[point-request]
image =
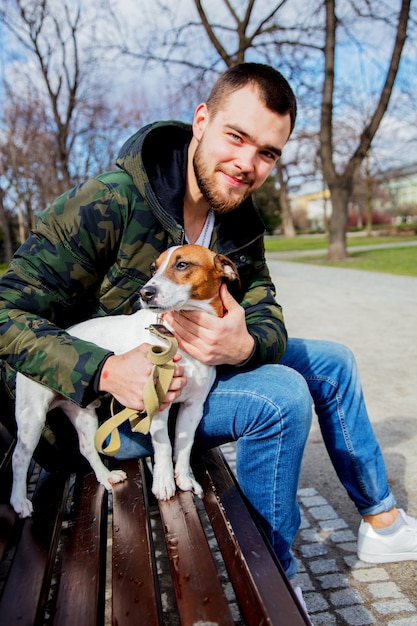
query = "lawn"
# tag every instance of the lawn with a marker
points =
(401, 260)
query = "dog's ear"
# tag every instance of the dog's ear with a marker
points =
(226, 268)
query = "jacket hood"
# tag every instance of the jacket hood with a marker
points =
(156, 159)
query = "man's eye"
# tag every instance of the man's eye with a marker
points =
(270, 155)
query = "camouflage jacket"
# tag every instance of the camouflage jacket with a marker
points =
(90, 254)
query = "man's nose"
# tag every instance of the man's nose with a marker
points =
(245, 159)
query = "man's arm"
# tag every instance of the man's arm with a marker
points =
(264, 319)
(49, 281)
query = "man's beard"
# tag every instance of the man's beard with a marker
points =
(216, 202)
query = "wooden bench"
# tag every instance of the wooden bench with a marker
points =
(89, 558)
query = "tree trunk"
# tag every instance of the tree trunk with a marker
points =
(340, 194)
(287, 221)
(341, 185)
(7, 235)
(369, 206)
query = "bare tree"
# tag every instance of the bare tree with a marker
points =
(51, 36)
(341, 183)
(57, 126)
(28, 155)
(64, 68)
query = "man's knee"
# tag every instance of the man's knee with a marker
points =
(298, 394)
(341, 359)
(289, 393)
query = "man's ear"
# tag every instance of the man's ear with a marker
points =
(200, 120)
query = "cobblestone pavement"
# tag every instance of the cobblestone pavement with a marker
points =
(337, 587)
(376, 315)
(340, 590)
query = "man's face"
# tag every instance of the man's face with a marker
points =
(237, 148)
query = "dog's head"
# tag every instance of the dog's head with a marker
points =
(188, 277)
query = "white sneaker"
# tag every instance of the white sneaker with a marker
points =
(299, 595)
(401, 545)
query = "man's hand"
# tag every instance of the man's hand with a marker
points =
(125, 375)
(211, 339)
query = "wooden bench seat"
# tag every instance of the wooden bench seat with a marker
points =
(87, 558)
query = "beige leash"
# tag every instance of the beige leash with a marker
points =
(154, 393)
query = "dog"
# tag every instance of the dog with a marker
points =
(183, 278)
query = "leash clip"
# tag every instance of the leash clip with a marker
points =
(160, 330)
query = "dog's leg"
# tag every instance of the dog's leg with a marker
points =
(86, 423)
(30, 419)
(163, 484)
(189, 416)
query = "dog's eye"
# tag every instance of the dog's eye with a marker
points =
(153, 269)
(182, 265)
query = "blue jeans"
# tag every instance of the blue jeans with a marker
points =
(333, 379)
(268, 413)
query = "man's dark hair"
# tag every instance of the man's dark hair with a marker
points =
(273, 88)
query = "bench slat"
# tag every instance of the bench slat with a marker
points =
(135, 585)
(80, 598)
(264, 593)
(199, 593)
(24, 597)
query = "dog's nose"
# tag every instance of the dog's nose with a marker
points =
(147, 293)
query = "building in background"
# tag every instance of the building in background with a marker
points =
(389, 197)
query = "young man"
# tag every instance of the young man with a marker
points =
(91, 252)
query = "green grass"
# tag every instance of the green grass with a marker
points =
(317, 242)
(401, 261)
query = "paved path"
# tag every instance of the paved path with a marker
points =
(376, 315)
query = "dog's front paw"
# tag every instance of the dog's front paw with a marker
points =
(163, 486)
(23, 507)
(185, 482)
(108, 479)
(117, 476)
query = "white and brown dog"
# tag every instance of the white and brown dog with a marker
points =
(186, 278)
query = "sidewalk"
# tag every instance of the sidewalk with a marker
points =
(376, 316)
